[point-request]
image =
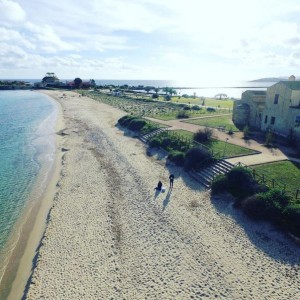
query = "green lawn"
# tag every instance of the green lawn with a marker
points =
(284, 172)
(207, 102)
(220, 147)
(216, 122)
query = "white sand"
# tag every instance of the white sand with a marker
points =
(110, 238)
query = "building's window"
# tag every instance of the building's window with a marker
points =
(266, 119)
(297, 121)
(276, 98)
(272, 120)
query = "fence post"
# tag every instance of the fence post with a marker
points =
(273, 183)
(253, 173)
(297, 192)
(263, 178)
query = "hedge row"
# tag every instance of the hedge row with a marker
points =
(180, 151)
(257, 201)
(137, 124)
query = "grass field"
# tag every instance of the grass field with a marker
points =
(216, 122)
(211, 102)
(283, 172)
(220, 147)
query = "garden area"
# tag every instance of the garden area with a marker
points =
(179, 142)
(147, 107)
(219, 148)
(224, 121)
(259, 201)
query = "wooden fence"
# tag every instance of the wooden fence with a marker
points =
(271, 182)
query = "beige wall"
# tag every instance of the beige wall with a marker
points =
(284, 115)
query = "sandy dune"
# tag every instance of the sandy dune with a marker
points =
(110, 236)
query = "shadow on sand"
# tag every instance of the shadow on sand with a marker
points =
(167, 199)
(266, 237)
(178, 172)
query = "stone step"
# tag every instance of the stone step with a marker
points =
(145, 138)
(205, 176)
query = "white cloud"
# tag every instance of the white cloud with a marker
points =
(15, 38)
(11, 11)
(151, 37)
(46, 37)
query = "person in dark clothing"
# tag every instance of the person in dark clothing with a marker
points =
(171, 177)
(159, 186)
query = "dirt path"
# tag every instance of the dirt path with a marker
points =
(266, 154)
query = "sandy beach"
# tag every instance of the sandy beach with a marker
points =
(111, 236)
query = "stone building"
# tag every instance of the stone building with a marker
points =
(249, 110)
(277, 109)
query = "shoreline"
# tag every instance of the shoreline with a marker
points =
(32, 223)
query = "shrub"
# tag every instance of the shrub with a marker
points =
(155, 96)
(292, 219)
(136, 124)
(182, 114)
(196, 158)
(187, 108)
(203, 135)
(166, 142)
(177, 157)
(219, 184)
(155, 142)
(246, 132)
(230, 131)
(149, 127)
(269, 138)
(125, 120)
(241, 183)
(196, 107)
(255, 207)
(272, 203)
(211, 109)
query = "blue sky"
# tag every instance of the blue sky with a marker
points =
(194, 41)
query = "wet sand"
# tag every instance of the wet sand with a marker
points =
(111, 236)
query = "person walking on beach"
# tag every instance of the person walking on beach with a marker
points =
(171, 177)
(159, 186)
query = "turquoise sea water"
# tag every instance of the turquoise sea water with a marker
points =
(26, 145)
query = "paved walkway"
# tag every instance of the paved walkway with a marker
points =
(266, 155)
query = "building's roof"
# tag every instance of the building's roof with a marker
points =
(293, 85)
(257, 93)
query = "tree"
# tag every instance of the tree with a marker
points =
(220, 96)
(148, 89)
(78, 82)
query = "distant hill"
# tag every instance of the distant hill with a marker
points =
(270, 79)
